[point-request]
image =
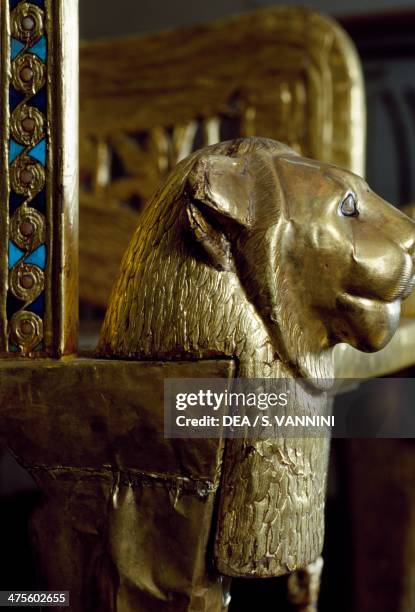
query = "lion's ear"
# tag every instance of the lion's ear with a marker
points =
(214, 242)
(218, 189)
(223, 184)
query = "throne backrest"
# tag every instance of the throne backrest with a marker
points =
(283, 73)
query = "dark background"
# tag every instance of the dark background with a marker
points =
(103, 18)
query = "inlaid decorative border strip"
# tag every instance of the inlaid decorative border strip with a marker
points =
(38, 230)
(4, 171)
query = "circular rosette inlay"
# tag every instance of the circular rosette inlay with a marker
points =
(27, 228)
(26, 330)
(26, 282)
(27, 176)
(28, 73)
(27, 22)
(27, 125)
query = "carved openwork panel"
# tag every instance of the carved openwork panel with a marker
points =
(146, 103)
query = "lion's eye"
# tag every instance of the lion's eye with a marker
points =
(348, 207)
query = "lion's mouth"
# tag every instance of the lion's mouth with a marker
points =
(370, 323)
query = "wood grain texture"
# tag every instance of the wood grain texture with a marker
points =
(283, 73)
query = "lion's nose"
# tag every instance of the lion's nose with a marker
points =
(407, 237)
(410, 242)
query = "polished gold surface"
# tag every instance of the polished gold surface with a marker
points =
(63, 94)
(283, 73)
(249, 250)
(126, 513)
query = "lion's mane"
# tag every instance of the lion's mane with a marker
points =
(170, 303)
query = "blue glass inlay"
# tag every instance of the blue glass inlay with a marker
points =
(15, 254)
(39, 152)
(40, 3)
(15, 98)
(12, 348)
(14, 150)
(39, 100)
(13, 305)
(15, 201)
(40, 202)
(39, 48)
(38, 257)
(38, 306)
(15, 47)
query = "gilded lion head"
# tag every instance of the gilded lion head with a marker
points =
(249, 250)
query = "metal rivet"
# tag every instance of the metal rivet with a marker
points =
(26, 74)
(28, 124)
(27, 228)
(28, 23)
(26, 176)
(26, 328)
(27, 281)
